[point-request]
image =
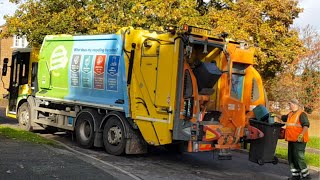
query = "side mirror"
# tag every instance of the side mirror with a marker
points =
(5, 66)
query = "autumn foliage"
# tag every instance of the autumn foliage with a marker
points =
(301, 78)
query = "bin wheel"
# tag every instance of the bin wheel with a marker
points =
(260, 162)
(275, 160)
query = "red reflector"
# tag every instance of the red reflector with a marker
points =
(185, 27)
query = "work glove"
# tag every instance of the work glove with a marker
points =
(300, 138)
(273, 115)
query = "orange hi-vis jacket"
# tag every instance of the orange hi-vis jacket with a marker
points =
(294, 128)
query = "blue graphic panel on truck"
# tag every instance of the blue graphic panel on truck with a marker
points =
(97, 71)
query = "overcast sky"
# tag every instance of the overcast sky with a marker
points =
(6, 8)
(310, 15)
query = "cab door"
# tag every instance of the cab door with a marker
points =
(18, 76)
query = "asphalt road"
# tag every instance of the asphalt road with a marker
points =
(24, 161)
(157, 164)
(160, 164)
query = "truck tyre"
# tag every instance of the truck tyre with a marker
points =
(85, 130)
(114, 136)
(24, 117)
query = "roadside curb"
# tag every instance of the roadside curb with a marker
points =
(283, 161)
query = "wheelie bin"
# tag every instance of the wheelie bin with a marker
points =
(262, 150)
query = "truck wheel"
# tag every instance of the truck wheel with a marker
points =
(24, 117)
(85, 130)
(114, 136)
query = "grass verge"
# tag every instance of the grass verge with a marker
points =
(314, 142)
(311, 158)
(24, 136)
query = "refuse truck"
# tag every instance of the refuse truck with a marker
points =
(185, 88)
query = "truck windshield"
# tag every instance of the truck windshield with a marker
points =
(237, 79)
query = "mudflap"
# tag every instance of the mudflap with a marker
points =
(136, 144)
(98, 139)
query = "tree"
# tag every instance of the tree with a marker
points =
(35, 19)
(267, 22)
(310, 68)
(301, 79)
(264, 22)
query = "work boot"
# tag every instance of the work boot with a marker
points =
(307, 177)
(294, 178)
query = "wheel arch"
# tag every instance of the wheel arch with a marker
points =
(94, 114)
(32, 103)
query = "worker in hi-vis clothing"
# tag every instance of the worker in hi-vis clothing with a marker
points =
(296, 134)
